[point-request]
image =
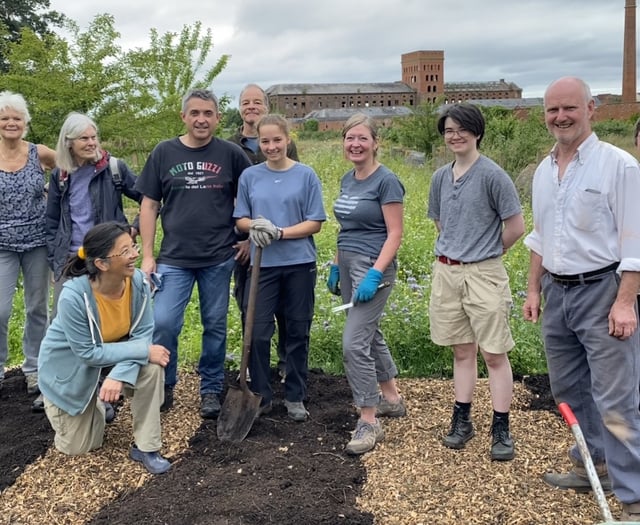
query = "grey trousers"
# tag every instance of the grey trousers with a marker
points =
(85, 432)
(366, 356)
(35, 279)
(596, 375)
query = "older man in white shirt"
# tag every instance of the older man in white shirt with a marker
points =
(585, 259)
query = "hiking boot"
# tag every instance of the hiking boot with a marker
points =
(502, 448)
(296, 410)
(630, 512)
(387, 409)
(152, 461)
(209, 406)
(32, 384)
(577, 478)
(461, 430)
(38, 404)
(167, 404)
(365, 437)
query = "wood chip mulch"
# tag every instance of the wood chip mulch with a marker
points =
(411, 479)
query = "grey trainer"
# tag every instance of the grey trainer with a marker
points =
(365, 437)
(387, 409)
(461, 430)
(296, 410)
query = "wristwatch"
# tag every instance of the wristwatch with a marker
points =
(280, 232)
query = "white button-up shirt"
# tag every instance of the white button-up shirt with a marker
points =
(590, 218)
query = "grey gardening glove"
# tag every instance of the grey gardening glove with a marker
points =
(262, 231)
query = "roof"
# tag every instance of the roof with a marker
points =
(364, 88)
(509, 103)
(345, 113)
(491, 85)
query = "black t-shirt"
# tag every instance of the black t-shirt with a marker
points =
(197, 188)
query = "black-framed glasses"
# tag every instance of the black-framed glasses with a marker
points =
(127, 252)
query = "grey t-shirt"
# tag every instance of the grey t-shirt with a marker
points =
(359, 210)
(471, 210)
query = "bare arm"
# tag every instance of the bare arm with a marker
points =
(149, 209)
(47, 157)
(392, 213)
(531, 307)
(622, 316)
(512, 231)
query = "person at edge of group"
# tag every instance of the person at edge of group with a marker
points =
(369, 210)
(22, 233)
(82, 193)
(104, 320)
(194, 177)
(585, 261)
(254, 104)
(280, 205)
(477, 213)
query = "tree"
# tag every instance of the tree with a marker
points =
(419, 131)
(156, 79)
(16, 15)
(57, 77)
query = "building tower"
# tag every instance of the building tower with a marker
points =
(629, 52)
(424, 72)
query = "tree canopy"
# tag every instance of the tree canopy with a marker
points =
(134, 95)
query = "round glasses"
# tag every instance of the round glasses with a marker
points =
(127, 252)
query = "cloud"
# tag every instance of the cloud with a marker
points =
(283, 41)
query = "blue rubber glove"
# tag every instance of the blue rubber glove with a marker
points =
(333, 282)
(368, 286)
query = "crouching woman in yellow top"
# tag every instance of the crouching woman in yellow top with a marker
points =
(104, 321)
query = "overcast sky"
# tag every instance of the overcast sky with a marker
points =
(282, 41)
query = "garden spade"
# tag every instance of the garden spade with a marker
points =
(241, 405)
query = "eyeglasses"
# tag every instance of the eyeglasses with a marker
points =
(127, 252)
(462, 133)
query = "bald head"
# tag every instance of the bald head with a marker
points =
(573, 84)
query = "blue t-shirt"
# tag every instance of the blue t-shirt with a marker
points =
(82, 214)
(285, 198)
(359, 210)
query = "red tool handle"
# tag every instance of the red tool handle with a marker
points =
(567, 414)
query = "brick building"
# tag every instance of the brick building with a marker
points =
(422, 80)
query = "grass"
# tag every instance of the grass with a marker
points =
(406, 320)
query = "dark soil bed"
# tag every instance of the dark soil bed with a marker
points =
(294, 473)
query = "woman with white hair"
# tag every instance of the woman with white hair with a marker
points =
(22, 232)
(84, 191)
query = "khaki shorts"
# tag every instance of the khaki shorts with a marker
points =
(471, 303)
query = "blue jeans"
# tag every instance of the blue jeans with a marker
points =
(35, 278)
(170, 302)
(596, 375)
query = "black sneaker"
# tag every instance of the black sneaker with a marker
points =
(461, 430)
(502, 448)
(167, 404)
(209, 406)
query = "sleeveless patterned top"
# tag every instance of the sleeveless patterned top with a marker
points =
(23, 205)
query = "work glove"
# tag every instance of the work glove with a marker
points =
(333, 282)
(260, 238)
(368, 286)
(262, 231)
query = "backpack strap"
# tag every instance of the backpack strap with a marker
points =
(115, 173)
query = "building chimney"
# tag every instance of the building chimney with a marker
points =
(629, 59)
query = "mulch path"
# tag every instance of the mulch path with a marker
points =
(291, 473)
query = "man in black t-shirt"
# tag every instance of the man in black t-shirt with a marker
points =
(191, 181)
